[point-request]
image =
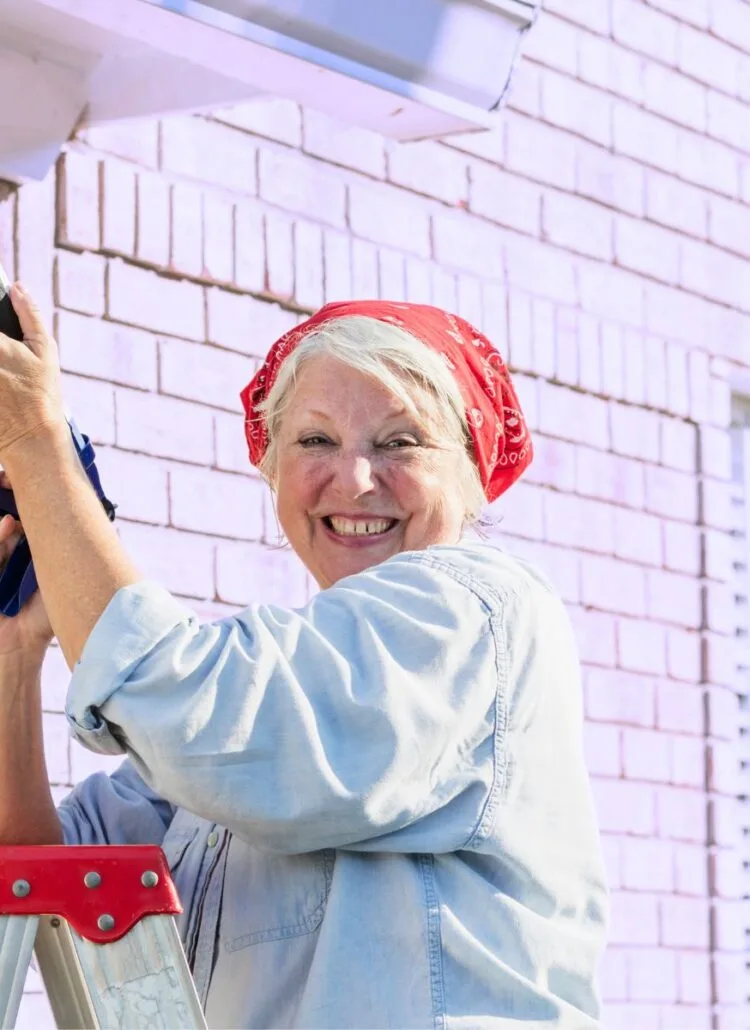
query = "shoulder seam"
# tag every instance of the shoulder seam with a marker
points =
(493, 600)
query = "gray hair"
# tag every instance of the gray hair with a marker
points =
(398, 360)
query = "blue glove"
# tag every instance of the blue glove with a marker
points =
(18, 579)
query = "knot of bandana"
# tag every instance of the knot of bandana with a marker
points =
(502, 443)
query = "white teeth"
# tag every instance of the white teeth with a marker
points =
(359, 527)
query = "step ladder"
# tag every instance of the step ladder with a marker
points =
(101, 922)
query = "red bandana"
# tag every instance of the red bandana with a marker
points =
(502, 444)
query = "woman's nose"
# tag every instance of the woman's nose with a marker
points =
(356, 475)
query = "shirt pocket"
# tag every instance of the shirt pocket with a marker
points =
(272, 897)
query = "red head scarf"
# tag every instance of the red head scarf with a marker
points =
(502, 444)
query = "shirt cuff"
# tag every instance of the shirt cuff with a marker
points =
(136, 619)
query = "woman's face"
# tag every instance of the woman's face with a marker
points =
(358, 477)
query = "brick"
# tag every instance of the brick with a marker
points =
(722, 707)
(578, 522)
(719, 660)
(694, 11)
(715, 451)
(344, 144)
(468, 244)
(612, 293)
(231, 446)
(244, 324)
(613, 975)
(688, 762)
(620, 697)
(691, 869)
(218, 238)
(35, 242)
(610, 478)
(683, 655)
(208, 151)
(186, 244)
(608, 66)
(727, 878)
(429, 168)
(725, 825)
(550, 273)
(671, 494)
(577, 108)
(614, 586)
(727, 121)
(613, 360)
(635, 919)
(522, 512)
(624, 807)
(164, 426)
(717, 552)
(708, 59)
(638, 537)
(308, 265)
(673, 95)
(681, 814)
(595, 636)
(278, 577)
(383, 214)
(391, 275)
(591, 14)
(554, 43)
(647, 249)
(78, 201)
(337, 266)
(589, 355)
(720, 397)
(182, 562)
(694, 983)
(279, 255)
(506, 199)
(716, 504)
(573, 416)
(719, 608)
(641, 647)
(656, 380)
(136, 140)
(494, 313)
(137, 296)
(645, 30)
(674, 598)
(520, 337)
(204, 374)
(265, 116)
(544, 342)
(645, 137)
(578, 225)
(296, 183)
(79, 281)
(365, 271)
(675, 204)
(729, 225)
(138, 485)
(249, 247)
(647, 865)
(236, 508)
(541, 152)
(708, 164)
(94, 406)
(611, 852)
(677, 379)
(724, 769)
(679, 444)
(601, 745)
(469, 299)
(105, 350)
(635, 432)
(418, 285)
(728, 982)
(524, 95)
(634, 387)
(559, 564)
(153, 219)
(731, 21)
(646, 755)
(682, 547)
(729, 925)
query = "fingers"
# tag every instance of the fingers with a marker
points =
(10, 534)
(32, 324)
(4, 480)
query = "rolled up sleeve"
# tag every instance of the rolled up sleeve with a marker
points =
(353, 722)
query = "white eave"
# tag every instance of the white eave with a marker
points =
(426, 68)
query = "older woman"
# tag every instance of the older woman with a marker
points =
(375, 808)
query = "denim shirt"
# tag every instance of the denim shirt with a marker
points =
(375, 808)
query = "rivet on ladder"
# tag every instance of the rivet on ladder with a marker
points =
(21, 888)
(105, 923)
(149, 878)
(92, 879)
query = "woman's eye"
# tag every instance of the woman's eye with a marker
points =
(314, 441)
(400, 442)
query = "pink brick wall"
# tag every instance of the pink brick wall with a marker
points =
(601, 237)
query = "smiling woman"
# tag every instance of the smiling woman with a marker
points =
(375, 808)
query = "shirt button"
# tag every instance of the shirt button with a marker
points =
(212, 840)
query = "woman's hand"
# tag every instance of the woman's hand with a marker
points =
(29, 633)
(30, 390)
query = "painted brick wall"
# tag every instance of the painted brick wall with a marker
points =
(601, 237)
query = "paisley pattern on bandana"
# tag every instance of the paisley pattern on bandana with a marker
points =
(502, 443)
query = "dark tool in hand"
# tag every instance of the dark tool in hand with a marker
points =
(18, 579)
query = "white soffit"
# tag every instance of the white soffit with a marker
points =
(410, 69)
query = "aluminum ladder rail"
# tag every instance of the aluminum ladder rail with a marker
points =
(101, 921)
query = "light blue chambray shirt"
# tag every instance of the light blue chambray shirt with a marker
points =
(377, 811)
